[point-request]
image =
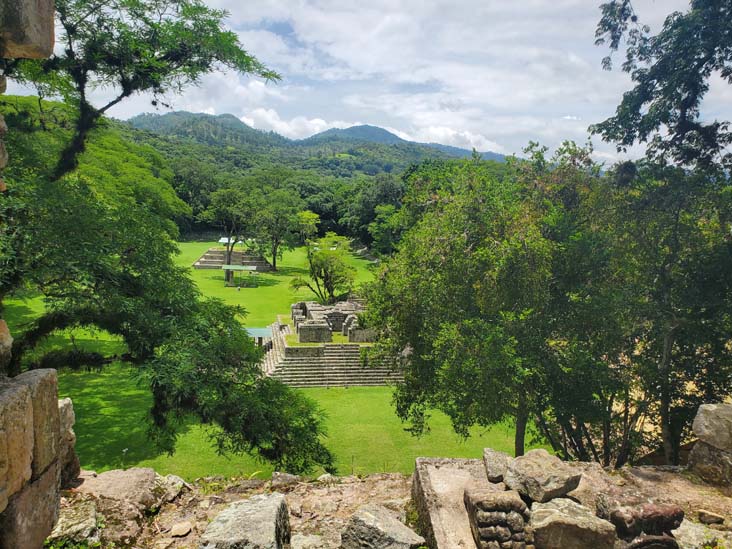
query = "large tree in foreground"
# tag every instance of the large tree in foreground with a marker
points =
(672, 73)
(679, 233)
(130, 47)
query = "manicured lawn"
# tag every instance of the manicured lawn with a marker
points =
(272, 295)
(363, 431)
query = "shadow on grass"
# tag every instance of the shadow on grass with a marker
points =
(111, 422)
(19, 315)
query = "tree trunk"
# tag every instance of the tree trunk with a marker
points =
(69, 159)
(275, 247)
(665, 404)
(522, 418)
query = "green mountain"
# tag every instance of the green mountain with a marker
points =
(339, 152)
(372, 134)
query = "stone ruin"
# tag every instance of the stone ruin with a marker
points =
(316, 323)
(37, 457)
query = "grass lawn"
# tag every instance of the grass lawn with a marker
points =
(363, 431)
(273, 294)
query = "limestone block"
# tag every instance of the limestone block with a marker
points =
(569, 525)
(77, 522)
(31, 513)
(6, 340)
(68, 460)
(376, 527)
(438, 490)
(361, 335)
(27, 28)
(711, 463)
(496, 464)
(43, 386)
(137, 485)
(314, 332)
(16, 439)
(260, 522)
(541, 476)
(713, 425)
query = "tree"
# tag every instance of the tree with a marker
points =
(156, 46)
(278, 221)
(455, 306)
(330, 272)
(671, 72)
(681, 218)
(233, 209)
(97, 246)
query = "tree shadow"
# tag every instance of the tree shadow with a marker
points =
(111, 417)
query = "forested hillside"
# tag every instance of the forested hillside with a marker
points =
(350, 178)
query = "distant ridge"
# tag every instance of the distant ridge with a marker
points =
(228, 129)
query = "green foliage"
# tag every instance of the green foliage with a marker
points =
(671, 72)
(157, 46)
(329, 269)
(97, 245)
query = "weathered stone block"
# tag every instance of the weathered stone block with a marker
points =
(43, 386)
(27, 28)
(569, 525)
(438, 489)
(713, 425)
(261, 522)
(6, 340)
(496, 464)
(711, 464)
(16, 434)
(76, 523)
(376, 527)
(31, 513)
(137, 485)
(361, 335)
(541, 476)
(314, 332)
(68, 460)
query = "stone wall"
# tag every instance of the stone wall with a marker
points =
(36, 450)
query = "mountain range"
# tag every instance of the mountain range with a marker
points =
(227, 129)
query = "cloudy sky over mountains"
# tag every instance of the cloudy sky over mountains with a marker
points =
(489, 74)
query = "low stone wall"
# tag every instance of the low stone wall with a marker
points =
(312, 331)
(361, 335)
(304, 352)
(36, 450)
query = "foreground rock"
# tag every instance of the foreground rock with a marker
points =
(563, 523)
(649, 519)
(261, 522)
(438, 489)
(541, 476)
(711, 457)
(68, 460)
(77, 523)
(496, 464)
(497, 519)
(375, 527)
(691, 535)
(136, 485)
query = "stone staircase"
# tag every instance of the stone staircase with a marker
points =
(215, 258)
(333, 365)
(276, 353)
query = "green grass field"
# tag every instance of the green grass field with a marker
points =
(363, 430)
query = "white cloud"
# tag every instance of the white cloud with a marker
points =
(491, 75)
(298, 127)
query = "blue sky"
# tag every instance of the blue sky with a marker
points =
(490, 74)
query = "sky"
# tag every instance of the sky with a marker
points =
(486, 74)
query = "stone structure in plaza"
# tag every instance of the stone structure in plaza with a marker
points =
(316, 323)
